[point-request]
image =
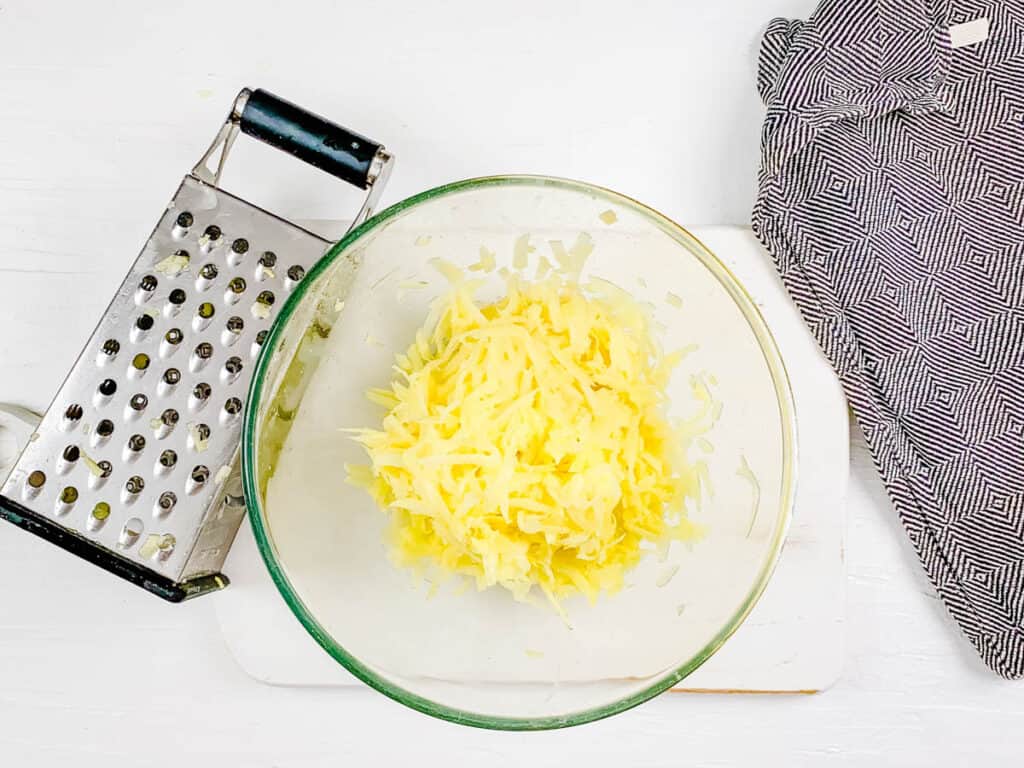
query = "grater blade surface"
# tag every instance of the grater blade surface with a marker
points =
(138, 453)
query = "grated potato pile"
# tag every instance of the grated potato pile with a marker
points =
(526, 442)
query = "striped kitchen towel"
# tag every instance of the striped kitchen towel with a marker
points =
(892, 201)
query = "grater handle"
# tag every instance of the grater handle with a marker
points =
(309, 137)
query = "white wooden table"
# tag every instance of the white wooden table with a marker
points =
(106, 105)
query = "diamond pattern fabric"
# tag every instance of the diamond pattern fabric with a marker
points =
(892, 201)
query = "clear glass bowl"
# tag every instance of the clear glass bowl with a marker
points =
(481, 658)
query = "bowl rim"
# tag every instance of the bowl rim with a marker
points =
(260, 526)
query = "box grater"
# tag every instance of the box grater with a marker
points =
(135, 465)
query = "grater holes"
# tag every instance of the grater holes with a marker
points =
(164, 504)
(102, 432)
(182, 224)
(210, 238)
(68, 458)
(175, 299)
(164, 424)
(167, 461)
(171, 341)
(204, 313)
(34, 483)
(143, 324)
(265, 266)
(172, 266)
(147, 285)
(261, 307)
(235, 289)
(200, 394)
(200, 356)
(166, 548)
(66, 499)
(158, 547)
(257, 343)
(232, 367)
(108, 351)
(169, 381)
(232, 330)
(99, 472)
(198, 437)
(207, 274)
(98, 516)
(294, 275)
(232, 407)
(239, 248)
(72, 415)
(136, 405)
(134, 447)
(180, 263)
(130, 533)
(132, 488)
(197, 479)
(139, 366)
(104, 392)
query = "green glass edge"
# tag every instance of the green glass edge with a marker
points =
(780, 379)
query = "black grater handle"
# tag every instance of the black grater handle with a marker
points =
(309, 137)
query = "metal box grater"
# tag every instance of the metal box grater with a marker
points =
(135, 465)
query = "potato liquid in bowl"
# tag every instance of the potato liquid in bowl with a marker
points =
(483, 657)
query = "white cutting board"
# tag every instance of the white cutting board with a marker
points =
(791, 642)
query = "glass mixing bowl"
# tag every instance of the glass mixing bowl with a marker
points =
(481, 658)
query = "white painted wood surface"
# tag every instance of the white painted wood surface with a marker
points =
(793, 641)
(104, 107)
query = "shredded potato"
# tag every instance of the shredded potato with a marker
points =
(526, 441)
